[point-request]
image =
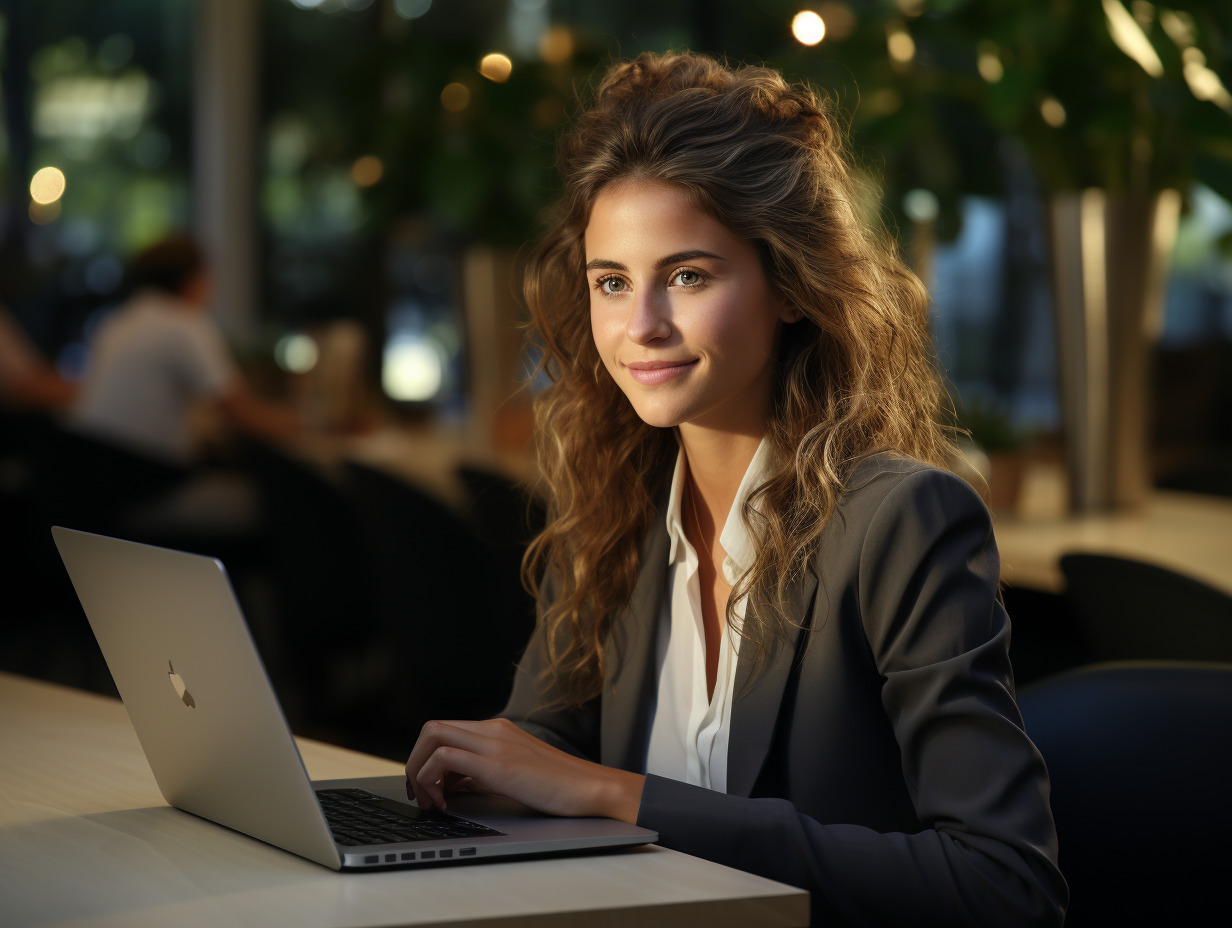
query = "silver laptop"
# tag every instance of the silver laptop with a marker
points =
(184, 662)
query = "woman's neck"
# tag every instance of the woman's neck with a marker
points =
(717, 464)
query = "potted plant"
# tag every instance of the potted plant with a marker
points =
(993, 449)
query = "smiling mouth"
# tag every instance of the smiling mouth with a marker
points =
(653, 372)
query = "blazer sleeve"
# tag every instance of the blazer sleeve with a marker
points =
(531, 702)
(927, 593)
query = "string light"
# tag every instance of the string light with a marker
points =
(455, 97)
(556, 45)
(989, 65)
(899, 43)
(47, 185)
(496, 67)
(808, 27)
(367, 171)
(1053, 112)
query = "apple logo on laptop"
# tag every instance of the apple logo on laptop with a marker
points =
(180, 689)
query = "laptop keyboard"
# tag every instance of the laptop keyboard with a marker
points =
(358, 817)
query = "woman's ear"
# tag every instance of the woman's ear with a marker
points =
(789, 312)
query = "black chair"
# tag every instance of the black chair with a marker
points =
(84, 482)
(500, 510)
(1130, 610)
(321, 602)
(1139, 755)
(448, 634)
(90, 483)
(43, 632)
(1046, 639)
(22, 517)
(505, 516)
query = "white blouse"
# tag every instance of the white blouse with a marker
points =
(688, 731)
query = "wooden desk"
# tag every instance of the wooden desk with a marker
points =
(87, 840)
(1187, 532)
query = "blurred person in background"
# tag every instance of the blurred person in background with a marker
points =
(159, 355)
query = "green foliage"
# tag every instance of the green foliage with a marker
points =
(939, 120)
(936, 121)
(1124, 130)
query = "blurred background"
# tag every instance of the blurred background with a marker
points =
(363, 177)
(259, 300)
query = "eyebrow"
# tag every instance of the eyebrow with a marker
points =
(603, 264)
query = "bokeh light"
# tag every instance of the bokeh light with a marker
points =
(808, 27)
(455, 97)
(412, 9)
(1179, 26)
(921, 205)
(1127, 33)
(1205, 84)
(496, 67)
(1053, 112)
(989, 65)
(556, 45)
(296, 353)
(47, 185)
(367, 171)
(899, 43)
(412, 369)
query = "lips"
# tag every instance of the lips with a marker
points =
(655, 372)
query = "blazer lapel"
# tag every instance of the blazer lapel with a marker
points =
(755, 708)
(629, 688)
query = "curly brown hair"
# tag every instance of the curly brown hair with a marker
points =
(853, 378)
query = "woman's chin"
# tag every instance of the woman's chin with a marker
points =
(658, 418)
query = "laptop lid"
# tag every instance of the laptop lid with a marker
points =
(198, 696)
(185, 665)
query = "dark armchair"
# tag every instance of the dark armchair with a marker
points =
(1139, 755)
(1130, 610)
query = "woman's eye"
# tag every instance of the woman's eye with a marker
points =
(610, 285)
(688, 278)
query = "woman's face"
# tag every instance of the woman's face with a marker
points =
(680, 310)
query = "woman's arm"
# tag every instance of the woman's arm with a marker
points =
(544, 758)
(497, 757)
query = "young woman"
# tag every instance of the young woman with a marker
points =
(769, 623)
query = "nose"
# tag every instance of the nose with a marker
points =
(648, 318)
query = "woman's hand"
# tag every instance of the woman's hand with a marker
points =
(496, 757)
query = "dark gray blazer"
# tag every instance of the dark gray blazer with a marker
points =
(879, 760)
